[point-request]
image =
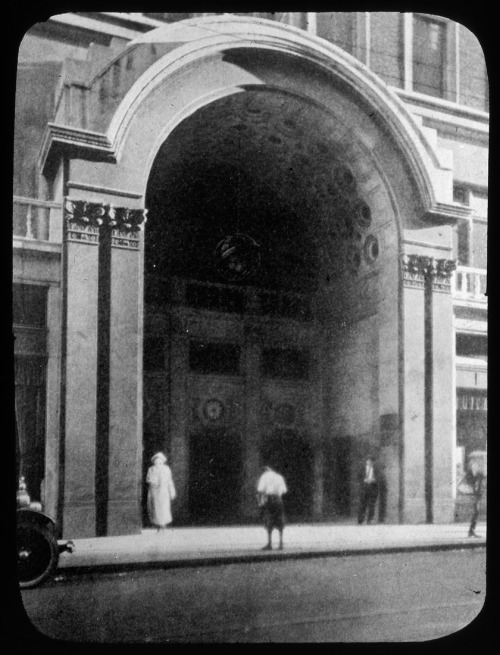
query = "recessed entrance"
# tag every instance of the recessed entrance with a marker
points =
(276, 169)
(215, 471)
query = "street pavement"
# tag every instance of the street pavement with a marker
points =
(389, 597)
(197, 546)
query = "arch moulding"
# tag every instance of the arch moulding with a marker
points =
(195, 45)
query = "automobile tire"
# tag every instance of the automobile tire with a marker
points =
(37, 554)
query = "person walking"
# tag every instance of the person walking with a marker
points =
(369, 479)
(475, 479)
(161, 492)
(270, 490)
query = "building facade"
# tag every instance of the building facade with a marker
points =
(248, 239)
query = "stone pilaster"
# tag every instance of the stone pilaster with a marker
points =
(102, 372)
(79, 369)
(412, 446)
(443, 390)
(124, 513)
(426, 448)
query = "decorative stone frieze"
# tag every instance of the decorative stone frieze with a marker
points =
(84, 220)
(420, 269)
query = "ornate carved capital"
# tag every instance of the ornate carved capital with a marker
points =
(84, 220)
(420, 269)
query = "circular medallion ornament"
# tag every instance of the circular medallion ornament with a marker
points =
(362, 215)
(213, 409)
(237, 257)
(345, 179)
(371, 249)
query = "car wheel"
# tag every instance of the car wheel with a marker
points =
(37, 554)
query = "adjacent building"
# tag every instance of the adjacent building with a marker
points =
(246, 239)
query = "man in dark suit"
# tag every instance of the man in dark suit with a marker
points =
(369, 479)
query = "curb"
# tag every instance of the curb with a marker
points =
(220, 560)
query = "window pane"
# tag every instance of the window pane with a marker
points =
(428, 56)
(29, 305)
(463, 247)
(218, 358)
(472, 345)
(386, 46)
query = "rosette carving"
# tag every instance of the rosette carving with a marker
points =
(85, 220)
(93, 214)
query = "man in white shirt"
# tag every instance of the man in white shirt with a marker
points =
(270, 490)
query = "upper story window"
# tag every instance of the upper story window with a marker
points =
(386, 57)
(472, 345)
(429, 56)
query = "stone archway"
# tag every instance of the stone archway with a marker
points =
(365, 354)
(281, 170)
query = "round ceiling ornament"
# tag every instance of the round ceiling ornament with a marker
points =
(371, 248)
(213, 410)
(237, 257)
(362, 215)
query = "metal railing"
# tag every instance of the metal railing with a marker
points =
(470, 284)
(39, 220)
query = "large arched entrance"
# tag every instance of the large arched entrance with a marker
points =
(222, 127)
(252, 355)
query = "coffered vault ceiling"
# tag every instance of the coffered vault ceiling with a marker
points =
(258, 162)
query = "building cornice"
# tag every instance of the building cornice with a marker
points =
(75, 141)
(100, 26)
(444, 110)
(447, 213)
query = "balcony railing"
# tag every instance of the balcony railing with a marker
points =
(39, 220)
(470, 284)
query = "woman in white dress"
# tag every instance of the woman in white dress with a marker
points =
(161, 492)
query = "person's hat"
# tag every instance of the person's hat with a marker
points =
(159, 456)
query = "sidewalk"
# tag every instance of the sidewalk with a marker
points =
(217, 545)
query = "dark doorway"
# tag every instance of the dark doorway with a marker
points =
(215, 477)
(291, 455)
